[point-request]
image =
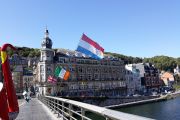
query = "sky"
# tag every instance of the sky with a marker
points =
(139, 28)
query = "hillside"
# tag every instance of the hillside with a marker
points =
(161, 62)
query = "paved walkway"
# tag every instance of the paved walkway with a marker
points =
(35, 110)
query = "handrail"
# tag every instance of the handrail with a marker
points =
(66, 108)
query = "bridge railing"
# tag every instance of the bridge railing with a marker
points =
(74, 110)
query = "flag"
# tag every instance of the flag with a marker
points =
(62, 73)
(90, 48)
(52, 79)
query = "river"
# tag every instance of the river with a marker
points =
(165, 110)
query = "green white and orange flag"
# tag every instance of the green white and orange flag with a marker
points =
(62, 73)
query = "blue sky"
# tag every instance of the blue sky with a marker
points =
(142, 28)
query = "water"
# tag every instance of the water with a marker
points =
(166, 110)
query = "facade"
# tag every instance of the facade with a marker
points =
(177, 70)
(28, 79)
(17, 77)
(149, 76)
(32, 61)
(168, 79)
(18, 60)
(133, 79)
(88, 76)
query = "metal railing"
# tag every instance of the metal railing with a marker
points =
(74, 110)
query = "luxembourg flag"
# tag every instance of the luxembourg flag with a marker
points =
(90, 48)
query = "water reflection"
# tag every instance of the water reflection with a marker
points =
(166, 110)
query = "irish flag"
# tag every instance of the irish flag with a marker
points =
(62, 73)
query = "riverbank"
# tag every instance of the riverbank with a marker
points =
(110, 101)
(165, 110)
(159, 99)
(162, 98)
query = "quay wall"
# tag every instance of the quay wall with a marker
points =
(158, 99)
(137, 102)
(111, 101)
(119, 102)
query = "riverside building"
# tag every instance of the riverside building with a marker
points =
(149, 77)
(88, 77)
(133, 79)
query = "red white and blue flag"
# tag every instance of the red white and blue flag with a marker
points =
(90, 48)
(51, 79)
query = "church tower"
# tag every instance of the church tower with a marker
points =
(47, 53)
(46, 58)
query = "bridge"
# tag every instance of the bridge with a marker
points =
(54, 108)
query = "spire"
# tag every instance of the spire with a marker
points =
(46, 33)
(47, 42)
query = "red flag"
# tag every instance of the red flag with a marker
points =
(52, 79)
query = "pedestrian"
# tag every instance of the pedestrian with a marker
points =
(26, 96)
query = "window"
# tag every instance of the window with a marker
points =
(61, 60)
(49, 69)
(41, 68)
(96, 77)
(72, 69)
(42, 77)
(89, 77)
(43, 58)
(88, 69)
(80, 69)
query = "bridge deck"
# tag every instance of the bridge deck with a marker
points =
(34, 110)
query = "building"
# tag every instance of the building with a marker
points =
(17, 77)
(133, 79)
(32, 62)
(177, 70)
(167, 78)
(16, 60)
(88, 76)
(149, 77)
(28, 78)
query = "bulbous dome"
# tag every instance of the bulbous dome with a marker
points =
(47, 42)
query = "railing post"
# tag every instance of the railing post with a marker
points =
(70, 113)
(43, 99)
(58, 107)
(82, 113)
(107, 118)
(47, 101)
(50, 103)
(54, 106)
(63, 109)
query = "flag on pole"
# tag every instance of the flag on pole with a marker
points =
(62, 73)
(52, 79)
(90, 48)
